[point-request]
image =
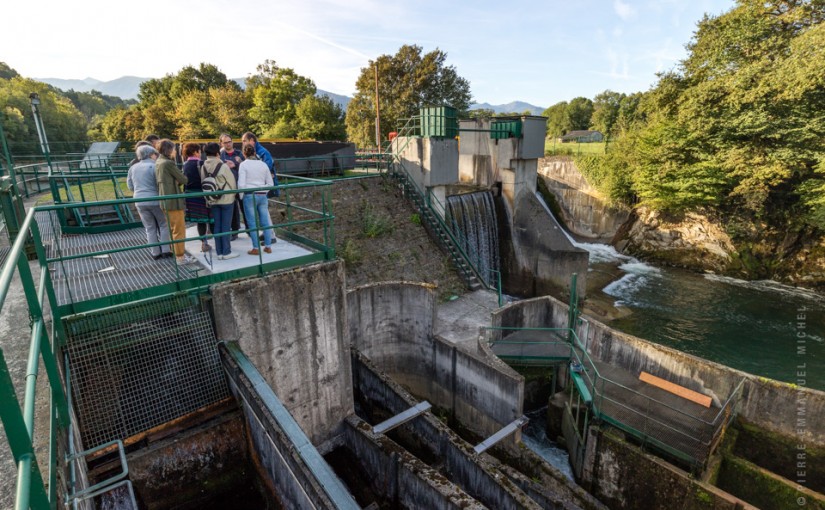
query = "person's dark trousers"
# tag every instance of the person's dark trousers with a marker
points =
(237, 213)
(222, 214)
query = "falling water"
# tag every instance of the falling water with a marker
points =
(472, 218)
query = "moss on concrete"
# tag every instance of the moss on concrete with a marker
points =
(763, 489)
(781, 455)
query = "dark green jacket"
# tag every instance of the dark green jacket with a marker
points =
(169, 180)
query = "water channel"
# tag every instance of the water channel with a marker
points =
(761, 327)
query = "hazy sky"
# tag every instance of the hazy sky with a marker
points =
(537, 51)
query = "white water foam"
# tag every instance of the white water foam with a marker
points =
(769, 286)
(603, 253)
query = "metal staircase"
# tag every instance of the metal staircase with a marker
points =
(432, 221)
(437, 228)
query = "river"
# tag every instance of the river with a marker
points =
(761, 327)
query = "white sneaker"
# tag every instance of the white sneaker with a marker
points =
(231, 255)
(187, 259)
(220, 257)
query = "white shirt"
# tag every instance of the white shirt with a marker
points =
(253, 173)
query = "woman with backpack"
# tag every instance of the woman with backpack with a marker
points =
(217, 176)
(196, 209)
(254, 173)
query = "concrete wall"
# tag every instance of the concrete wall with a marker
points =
(769, 404)
(537, 257)
(396, 475)
(291, 325)
(381, 398)
(430, 161)
(584, 209)
(392, 324)
(625, 478)
(483, 161)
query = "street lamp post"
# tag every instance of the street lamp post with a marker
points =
(41, 131)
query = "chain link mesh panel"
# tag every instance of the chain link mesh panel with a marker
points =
(136, 367)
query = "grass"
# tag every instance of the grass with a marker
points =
(374, 224)
(92, 191)
(553, 147)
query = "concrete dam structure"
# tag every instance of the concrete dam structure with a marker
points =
(269, 382)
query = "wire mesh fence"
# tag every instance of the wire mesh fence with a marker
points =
(136, 367)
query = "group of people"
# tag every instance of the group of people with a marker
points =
(154, 173)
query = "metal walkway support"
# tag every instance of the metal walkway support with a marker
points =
(501, 434)
(402, 418)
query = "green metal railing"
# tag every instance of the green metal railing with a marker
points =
(432, 209)
(32, 490)
(37, 483)
(609, 400)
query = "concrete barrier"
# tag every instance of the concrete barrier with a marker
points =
(392, 324)
(396, 475)
(381, 398)
(291, 325)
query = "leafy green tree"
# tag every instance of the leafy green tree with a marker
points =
(6, 72)
(230, 110)
(558, 122)
(407, 81)
(275, 97)
(319, 118)
(202, 78)
(606, 111)
(579, 111)
(61, 119)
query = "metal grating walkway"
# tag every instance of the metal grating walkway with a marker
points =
(136, 367)
(88, 278)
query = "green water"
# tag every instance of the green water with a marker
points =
(763, 328)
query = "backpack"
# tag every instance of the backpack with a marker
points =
(209, 184)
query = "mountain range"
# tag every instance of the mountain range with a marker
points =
(127, 87)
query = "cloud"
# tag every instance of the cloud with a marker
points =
(623, 10)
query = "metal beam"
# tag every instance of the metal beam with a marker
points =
(501, 434)
(402, 418)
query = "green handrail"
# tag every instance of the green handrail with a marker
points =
(19, 425)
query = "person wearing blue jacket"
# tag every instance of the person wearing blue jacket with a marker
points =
(264, 155)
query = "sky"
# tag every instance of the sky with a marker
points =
(541, 52)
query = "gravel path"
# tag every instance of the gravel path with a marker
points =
(15, 335)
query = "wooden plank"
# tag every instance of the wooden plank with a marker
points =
(677, 390)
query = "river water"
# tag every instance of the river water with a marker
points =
(761, 327)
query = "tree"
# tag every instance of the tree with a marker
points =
(579, 111)
(275, 95)
(319, 118)
(606, 111)
(6, 72)
(61, 119)
(407, 81)
(202, 78)
(558, 122)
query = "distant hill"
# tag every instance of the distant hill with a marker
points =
(513, 107)
(127, 87)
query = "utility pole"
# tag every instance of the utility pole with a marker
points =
(377, 112)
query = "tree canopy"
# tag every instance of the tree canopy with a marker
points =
(740, 123)
(200, 102)
(62, 120)
(407, 81)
